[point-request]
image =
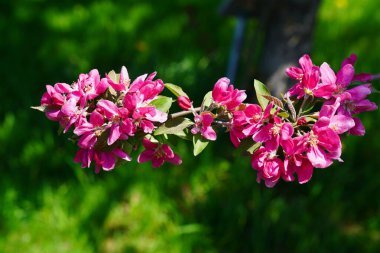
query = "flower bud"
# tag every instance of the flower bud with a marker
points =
(302, 121)
(184, 102)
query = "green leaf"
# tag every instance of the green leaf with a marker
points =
(207, 100)
(162, 103)
(261, 91)
(175, 89)
(173, 126)
(254, 147)
(199, 143)
(184, 134)
(284, 115)
(113, 76)
(40, 108)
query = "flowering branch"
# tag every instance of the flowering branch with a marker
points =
(111, 117)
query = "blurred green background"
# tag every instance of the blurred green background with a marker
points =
(210, 203)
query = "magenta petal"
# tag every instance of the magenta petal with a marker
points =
(167, 150)
(109, 108)
(358, 129)
(327, 74)
(114, 134)
(345, 75)
(304, 172)
(176, 160)
(208, 133)
(157, 162)
(120, 153)
(148, 144)
(306, 63)
(87, 141)
(145, 156)
(263, 134)
(341, 124)
(294, 73)
(108, 161)
(318, 157)
(96, 118)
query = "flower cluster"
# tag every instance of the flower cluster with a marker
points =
(105, 113)
(286, 138)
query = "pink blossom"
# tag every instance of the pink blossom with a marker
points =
(90, 131)
(308, 77)
(269, 167)
(158, 153)
(321, 146)
(88, 87)
(301, 165)
(355, 101)
(70, 114)
(123, 83)
(54, 98)
(203, 125)
(238, 123)
(148, 87)
(224, 94)
(338, 123)
(256, 118)
(107, 159)
(121, 125)
(103, 159)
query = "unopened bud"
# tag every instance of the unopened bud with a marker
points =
(302, 121)
(184, 102)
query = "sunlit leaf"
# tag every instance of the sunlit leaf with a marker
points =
(162, 103)
(199, 143)
(261, 91)
(175, 89)
(173, 126)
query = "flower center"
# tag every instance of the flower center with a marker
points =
(313, 139)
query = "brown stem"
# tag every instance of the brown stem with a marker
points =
(183, 113)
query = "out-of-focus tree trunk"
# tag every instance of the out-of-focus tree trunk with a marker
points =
(287, 29)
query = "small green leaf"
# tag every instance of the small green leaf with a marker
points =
(261, 91)
(184, 134)
(284, 115)
(113, 76)
(254, 147)
(40, 108)
(175, 89)
(199, 143)
(173, 126)
(207, 100)
(162, 103)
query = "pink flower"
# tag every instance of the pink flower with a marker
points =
(106, 160)
(143, 116)
(54, 98)
(90, 131)
(269, 167)
(224, 94)
(238, 123)
(158, 153)
(70, 114)
(88, 87)
(308, 76)
(123, 83)
(148, 87)
(338, 123)
(203, 125)
(321, 146)
(256, 118)
(340, 81)
(301, 165)
(121, 125)
(355, 101)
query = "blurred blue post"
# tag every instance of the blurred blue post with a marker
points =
(236, 47)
